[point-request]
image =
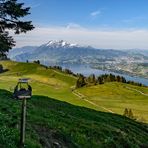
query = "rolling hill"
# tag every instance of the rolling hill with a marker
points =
(60, 117)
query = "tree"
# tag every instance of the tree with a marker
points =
(1, 68)
(112, 77)
(126, 112)
(130, 114)
(37, 61)
(100, 80)
(118, 79)
(68, 71)
(91, 79)
(11, 13)
(123, 80)
(80, 82)
(108, 79)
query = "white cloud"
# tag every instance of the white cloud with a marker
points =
(73, 26)
(95, 13)
(100, 38)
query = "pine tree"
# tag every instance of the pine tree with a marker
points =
(112, 77)
(93, 79)
(126, 112)
(100, 80)
(80, 82)
(130, 114)
(108, 79)
(11, 13)
(118, 79)
(1, 68)
(123, 80)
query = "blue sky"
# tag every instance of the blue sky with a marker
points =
(99, 23)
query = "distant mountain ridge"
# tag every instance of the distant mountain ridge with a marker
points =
(63, 52)
(19, 51)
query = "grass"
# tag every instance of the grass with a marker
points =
(69, 120)
(47, 82)
(51, 122)
(55, 84)
(116, 97)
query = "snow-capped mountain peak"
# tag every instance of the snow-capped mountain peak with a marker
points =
(60, 44)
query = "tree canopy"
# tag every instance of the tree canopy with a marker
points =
(11, 14)
(104, 78)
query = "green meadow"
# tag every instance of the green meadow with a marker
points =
(85, 117)
(46, 82)
(117, 96)
(56, 84)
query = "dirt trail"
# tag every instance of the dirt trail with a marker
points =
(78, 94)
(136, 91)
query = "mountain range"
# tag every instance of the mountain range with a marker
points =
(55, 52)
(133, 62)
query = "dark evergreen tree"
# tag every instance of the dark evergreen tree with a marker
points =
(130, 114)
(100, 80)
(108, 78)
(80, 82)
(91, 79)
(118, 79)
(112, 77)
(1, 68)
(122, 79)
(11, 13)
(126, 112)
(68, 71)
(37, 61)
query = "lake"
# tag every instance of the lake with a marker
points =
(87, 70)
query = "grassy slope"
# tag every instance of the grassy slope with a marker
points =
(68, 124)
(113, 96)
(51, 122)
(44, 82)
(117, 97)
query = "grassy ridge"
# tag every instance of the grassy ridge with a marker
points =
(51, 122)
(117, 97)
(47, 82)
(55, 84)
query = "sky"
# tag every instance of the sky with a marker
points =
(108, 24)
